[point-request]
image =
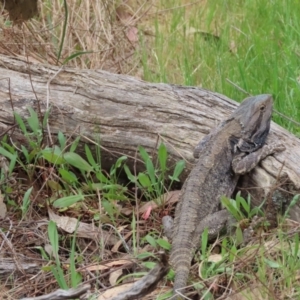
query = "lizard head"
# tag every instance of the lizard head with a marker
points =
(254, 116)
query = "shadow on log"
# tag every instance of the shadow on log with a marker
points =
(122, 112)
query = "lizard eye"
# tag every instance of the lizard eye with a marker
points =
(262, 108)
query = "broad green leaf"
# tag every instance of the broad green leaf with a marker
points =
(8, 147)
(67, 201)
(180, 165)
(54, 185)
(77, 161)
(272, 264)
(6, 153)
(109, 208)
(291, 205)
(151, 171)
(131, 177)
(114, 195)
(239, 235)
(53, 155)
(53, 237)
(68, 176)
(150, 239)
(101, 186)
(33, 120)
(26, 201)
(89, 156)
(12, 163)
(46, 117)
(204, 242)
(145, 255)
(295, 246)
(163, 157)
(149, 264)
(164, 244)
(117, 165)
(101, 177)
(20, 123)
(61, 139)
(59, 276)
(145, 156)
(231, 207)
(75, 144)
(43, 253)
(239, 199)
(76, 277)
(26, 154)
(232, 253)
(166, 295)
(145, 181)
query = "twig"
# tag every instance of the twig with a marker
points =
(63, 294)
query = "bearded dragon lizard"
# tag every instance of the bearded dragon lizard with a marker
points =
(232, 149)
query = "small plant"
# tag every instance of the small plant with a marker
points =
(152, 181)
(75, 277)
(242, 212)
(70, 177)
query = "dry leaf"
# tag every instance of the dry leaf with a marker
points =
(147, 213)
(167, 198)
(108, 294)
(49, 249)
(215, 258)
(114, 276)
(109, 265)
(115, 248)
(132, 34)
(84, 230)
(3, 208)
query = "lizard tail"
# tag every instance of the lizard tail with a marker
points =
(181, 262)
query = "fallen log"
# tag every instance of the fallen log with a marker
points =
(123, 112)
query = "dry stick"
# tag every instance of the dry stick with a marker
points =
(47, 102)
(12, 108)
(147, 283)
(287, 118)
(136, 203)
(100, 227)
(63, 294)
(5, 235)
(14, 255)
(9, 244)
(33, 90)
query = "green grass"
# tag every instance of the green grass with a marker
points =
(256, 47)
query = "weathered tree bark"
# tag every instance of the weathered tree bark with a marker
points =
(123, 112)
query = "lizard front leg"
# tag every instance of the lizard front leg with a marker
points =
(244, 163)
